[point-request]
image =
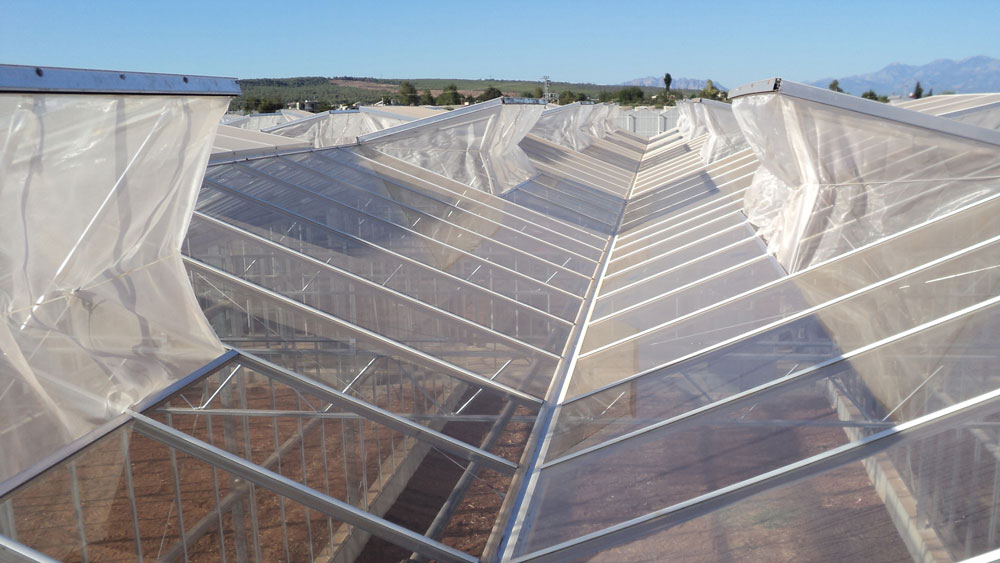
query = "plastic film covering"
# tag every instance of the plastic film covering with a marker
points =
(336, 128)
(984, 116)
(477, 146)
(261, 121)
(597, 122)
(724, 134)
(565, 126)
(837, 179)
(613, 118)
(95, 196)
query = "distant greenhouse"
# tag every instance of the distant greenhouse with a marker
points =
(762, 330)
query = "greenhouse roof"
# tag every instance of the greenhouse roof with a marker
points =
(508, 332)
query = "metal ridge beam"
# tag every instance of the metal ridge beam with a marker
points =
(38, 79)
(295, 491)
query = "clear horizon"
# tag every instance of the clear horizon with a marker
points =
(731, 42)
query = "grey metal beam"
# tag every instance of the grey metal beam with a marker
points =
(376, 414)
(411, 354)
(45, 79)
(13, 552)
(270, 413)
(295, 491)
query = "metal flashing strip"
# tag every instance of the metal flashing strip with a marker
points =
(376, 414)
(39, 79)
(923, 426)
(872, 108)
(295, 491)
(412, 354)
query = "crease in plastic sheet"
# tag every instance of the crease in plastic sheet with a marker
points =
(837, 179)
(724, 135)
(336, 128)
(573, 126)
(987, 116)
(96, 193)
(261, 121)
(478, 148)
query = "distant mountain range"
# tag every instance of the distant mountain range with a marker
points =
(974, 74)
(675, 84)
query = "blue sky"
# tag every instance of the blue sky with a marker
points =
(603, 42)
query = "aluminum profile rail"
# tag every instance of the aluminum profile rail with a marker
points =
(39, 79)
(13, 552)
(295, 491)
(868, 107)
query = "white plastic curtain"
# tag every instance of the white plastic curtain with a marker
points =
(477, 146)
(336, 128)
(96, 192)
(724, 134)
(564, 126)
(832, 179)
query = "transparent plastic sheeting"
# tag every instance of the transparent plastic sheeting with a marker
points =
(724, 134)
(336, 127)
(835, 179)
(814, 411)
(570, 126)
(827, 332)
(693, 124)
(261, 121)
(477, 146)
(986, 116)
(683, 322)
(95, 196)
(838, 516)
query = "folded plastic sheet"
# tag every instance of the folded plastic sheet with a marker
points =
(837, 179)
(261, 121)
(96, 192)
(613, 118)
(684, 118)
(565, 126)
(336, 128)
(477, 146)
(724, 134)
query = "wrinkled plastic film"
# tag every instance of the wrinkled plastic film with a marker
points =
(565, 126)
(478, 148)
(95, 196)
(837, 179)
(335, 128)
(724, 135)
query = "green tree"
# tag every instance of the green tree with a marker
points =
(869, 95)
(450, 96)
(566, 97)
(427, 99)
(667, 80)
(539, 93)
(630, 95)
(605, 96)
(527, 94)
(930, 92)
(918, 91)
(711, 92)
(835, 86)
(270, 105)
(490, 93)
(407, 94)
